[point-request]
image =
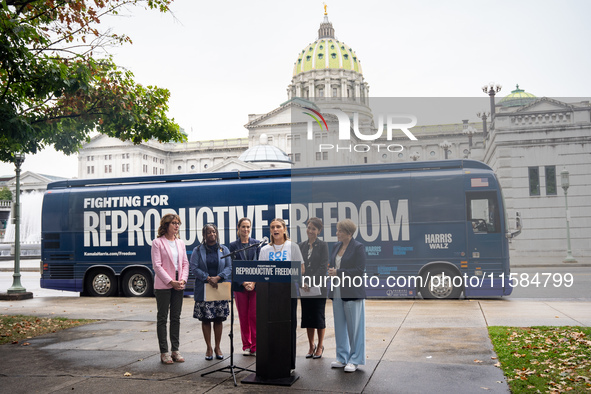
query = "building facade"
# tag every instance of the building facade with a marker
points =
(528, 142)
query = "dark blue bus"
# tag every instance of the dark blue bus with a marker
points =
(435, 228)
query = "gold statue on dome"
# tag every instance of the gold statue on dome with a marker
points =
(325, 13)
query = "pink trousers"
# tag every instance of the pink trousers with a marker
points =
(246, 303)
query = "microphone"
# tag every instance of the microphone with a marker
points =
(263, 242)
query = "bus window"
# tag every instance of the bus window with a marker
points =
(483, 212)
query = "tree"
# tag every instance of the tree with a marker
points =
(5, 194)
(54, 91)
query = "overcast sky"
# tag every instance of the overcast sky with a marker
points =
(225, 60)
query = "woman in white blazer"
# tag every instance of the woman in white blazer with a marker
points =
(171, 269)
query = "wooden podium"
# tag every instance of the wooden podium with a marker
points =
(274, 318)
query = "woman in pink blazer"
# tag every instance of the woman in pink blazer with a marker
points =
(171, 269)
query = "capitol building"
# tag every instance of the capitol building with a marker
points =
(528, 140)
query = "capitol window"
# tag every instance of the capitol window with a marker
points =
(534, 181)
(550, 172)
(321, 155)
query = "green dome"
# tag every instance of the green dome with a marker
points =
(325, 53)
(517, 98)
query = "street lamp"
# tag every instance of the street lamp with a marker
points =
(445, 145)
(469, 131)
(483, 115)
(491, 90)
(565, 183)
(16, 287)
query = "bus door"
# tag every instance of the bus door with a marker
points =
(484, 244)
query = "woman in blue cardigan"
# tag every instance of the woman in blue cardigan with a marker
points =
(346, 268)
(209, 269)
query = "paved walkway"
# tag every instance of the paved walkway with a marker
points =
(33, 264)
(413, 346)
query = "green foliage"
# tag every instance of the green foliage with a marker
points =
(5, 194)
(544, 359)
(54, 92)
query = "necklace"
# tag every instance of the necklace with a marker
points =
(280, 250)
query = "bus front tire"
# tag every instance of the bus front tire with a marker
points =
(441, 284)
(137, 282)
(101, 283)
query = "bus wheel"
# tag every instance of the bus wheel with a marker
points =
(101, 283)
(441, 283)
(137, 282)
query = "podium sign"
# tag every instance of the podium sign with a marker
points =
(274, 313)
(266, 271)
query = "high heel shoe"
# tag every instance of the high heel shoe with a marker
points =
(310, 355)
(320, 355)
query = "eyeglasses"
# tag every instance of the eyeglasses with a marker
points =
(175, 223)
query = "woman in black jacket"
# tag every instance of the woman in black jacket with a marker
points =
(313, 295)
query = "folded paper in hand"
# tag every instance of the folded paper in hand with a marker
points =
(311, 292)
(222, 293)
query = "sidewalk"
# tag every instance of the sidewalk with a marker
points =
(33, 264)
(413, 346)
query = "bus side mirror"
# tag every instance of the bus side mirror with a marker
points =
(513, 234)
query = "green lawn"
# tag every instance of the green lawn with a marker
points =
(17, 329)
(544, 359)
